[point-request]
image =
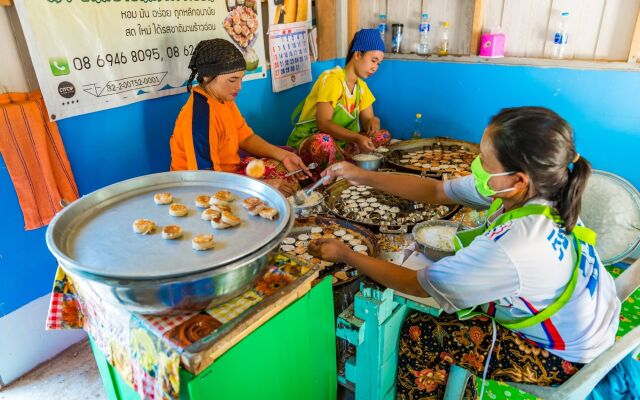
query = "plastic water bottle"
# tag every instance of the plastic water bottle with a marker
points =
(561, 36)
(443, 45)
(423, 29)
(417, 130)
(383, 27)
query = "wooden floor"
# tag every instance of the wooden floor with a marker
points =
(73, 375)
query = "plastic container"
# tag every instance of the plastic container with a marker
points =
(443, 43)
(424, 28)
(397, 37)
(492, 44)
(561, 36)
(417, 129)
(382, 26)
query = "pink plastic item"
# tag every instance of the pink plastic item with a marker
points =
(492, 45)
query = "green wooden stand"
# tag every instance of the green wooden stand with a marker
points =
(292, 356)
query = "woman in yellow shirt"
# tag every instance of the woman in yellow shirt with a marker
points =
(339, 111)
(210, 130)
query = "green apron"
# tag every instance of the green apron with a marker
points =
(579, 235)
(342, 117)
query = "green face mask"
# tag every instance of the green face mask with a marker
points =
(482, 177)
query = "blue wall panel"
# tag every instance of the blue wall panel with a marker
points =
(112, 145)
(458, 99)
(455, 99)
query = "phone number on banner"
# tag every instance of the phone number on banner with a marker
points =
(120, 58)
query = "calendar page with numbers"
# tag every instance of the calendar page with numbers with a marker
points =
(289, 51)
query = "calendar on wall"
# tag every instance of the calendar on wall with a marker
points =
(289, 51)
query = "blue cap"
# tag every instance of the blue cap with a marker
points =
(367, 40)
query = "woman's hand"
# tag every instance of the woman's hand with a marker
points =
(346, 170)
(365, 144)
(286, 187)
(374, 125)
(328, 249)
(293, 163)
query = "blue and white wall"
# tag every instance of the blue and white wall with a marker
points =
(456, 100)
(103, 148)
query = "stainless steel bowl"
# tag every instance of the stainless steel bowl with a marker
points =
(92, 239)
(433, 253)
(370, 165)
(186, 293)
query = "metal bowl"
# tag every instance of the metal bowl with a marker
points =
(369, 165)
(433, 253)
(188, 293)
(312, 205)
(92, 239)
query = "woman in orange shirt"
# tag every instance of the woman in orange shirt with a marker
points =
(210, 130)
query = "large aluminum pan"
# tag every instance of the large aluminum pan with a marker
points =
(397, 150)
(93, 240)
(93, 235)
(410, 212)
(193, 292)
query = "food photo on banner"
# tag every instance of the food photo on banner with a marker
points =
(124, 52)
(289, 11)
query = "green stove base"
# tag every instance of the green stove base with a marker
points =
(291, 356)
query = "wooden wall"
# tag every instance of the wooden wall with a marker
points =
(598, 29)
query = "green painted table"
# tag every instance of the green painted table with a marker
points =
(284, 351)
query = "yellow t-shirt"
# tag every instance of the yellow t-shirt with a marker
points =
(331, 88)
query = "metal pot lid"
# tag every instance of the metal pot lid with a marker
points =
(611, 207)
(94, 234)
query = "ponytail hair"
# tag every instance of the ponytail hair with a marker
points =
(568, 200)
(539, 142)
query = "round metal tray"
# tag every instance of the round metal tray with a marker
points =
(333, 197)
(93, 236)
(616, 219)
(397, 149)
(304, 225)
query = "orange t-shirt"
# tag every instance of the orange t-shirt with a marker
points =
(207, 134)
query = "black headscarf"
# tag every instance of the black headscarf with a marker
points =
(215, 57)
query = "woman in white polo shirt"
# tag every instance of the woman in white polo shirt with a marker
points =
(533, 268)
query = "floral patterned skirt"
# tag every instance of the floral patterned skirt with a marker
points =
(324, 150)
(429, 345)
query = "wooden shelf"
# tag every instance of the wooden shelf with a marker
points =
(521, 61)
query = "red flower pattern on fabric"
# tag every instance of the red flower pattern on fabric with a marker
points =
(429, 379)
(415, 333)
(568, 368)
(446, 357)
(474, 360)
(476, 335)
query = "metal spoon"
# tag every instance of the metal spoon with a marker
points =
(464, 215)
(301, 195)
(310, 167)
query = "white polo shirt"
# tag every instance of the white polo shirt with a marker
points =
(521, 267)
